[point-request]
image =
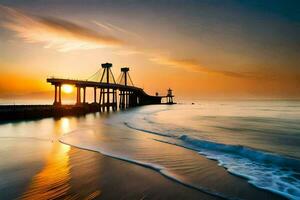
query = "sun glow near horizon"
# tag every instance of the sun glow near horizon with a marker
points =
(68, 89)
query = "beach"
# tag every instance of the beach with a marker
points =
(95, 157)
(89, 175)
(72, 173)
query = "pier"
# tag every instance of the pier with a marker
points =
(112, 94)
(108, 95)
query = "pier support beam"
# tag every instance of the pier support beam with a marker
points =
(78, 99)
(122, 101)
(127, 98)
(57, 99)
(55, 95)
(114, 106)
(100, 96)
(59, 94)
(95, 95)
(84, 92)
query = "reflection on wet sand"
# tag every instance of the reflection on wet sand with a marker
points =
(64, 173)
(71, 173)
(53, 180)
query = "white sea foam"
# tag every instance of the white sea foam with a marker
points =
(245, 152)
(265, 170)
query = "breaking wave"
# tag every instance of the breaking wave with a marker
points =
(269, 171)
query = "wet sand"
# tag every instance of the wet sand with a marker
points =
(90, 175)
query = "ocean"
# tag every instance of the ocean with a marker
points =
(257, 141)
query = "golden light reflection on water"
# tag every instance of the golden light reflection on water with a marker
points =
(65, 124)
(53, 181)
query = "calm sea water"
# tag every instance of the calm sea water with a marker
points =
(256, 140)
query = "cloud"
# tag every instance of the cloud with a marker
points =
(64, 36)
(55, 33)
(116, 29)
(193, 65)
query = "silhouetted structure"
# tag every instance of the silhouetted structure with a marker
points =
(128, 98)
(130, 95)
(108, 96)
(170, 97)
(57, 101)
(104, 80)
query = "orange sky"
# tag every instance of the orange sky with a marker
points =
(200, 56)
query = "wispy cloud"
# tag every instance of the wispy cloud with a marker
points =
(115, 29)
(194, 66)
(55, 33)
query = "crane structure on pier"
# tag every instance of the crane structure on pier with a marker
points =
(128, 98)
(103, 80)
(108, 96)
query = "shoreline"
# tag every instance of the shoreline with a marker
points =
(160, 171)
(155, 168)
(74, 173)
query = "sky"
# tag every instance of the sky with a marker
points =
(199, 48)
